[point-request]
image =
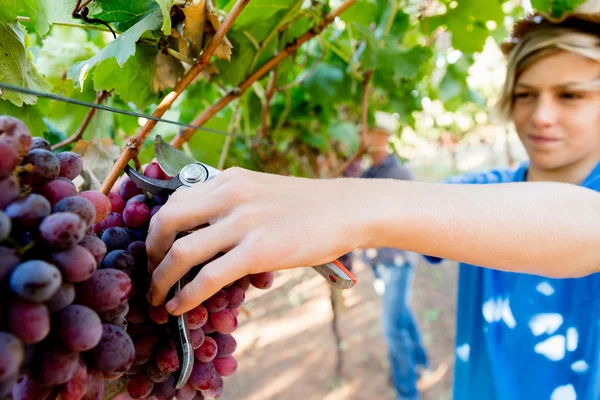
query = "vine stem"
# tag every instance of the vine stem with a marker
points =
(362, 147)
(289, 49)
(134, 144)
(100, 97)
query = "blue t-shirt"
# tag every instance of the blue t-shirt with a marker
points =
(526, 337)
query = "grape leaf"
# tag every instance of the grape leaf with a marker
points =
(362, 12)
(556, 8)
(347, 134)
(42, 12)
(16, 66)
(325, 84)
(133, 81)
(167, 73)
(121, 48)
(260, 16)
(232, 73)
(371, 52)
(124, 12)
(165, 8)
(193, 28)
(223, 50)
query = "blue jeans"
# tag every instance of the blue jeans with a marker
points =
(400, 328)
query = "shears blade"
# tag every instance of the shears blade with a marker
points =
(170, 159)
(153, 185)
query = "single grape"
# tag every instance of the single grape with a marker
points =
(101, 203)
(207, 351)
(45, 166)
(79, 327)
(77, 205)
(113, 220)
(153, 170)
(63, 298)
(138, 250)
(63, 230)
(14, 132)
(106, 289)
(202, 376)
(166, 357)
(154, 210)
(226, 366)
(236, 296)
(114, 314)
(76, 387)
(165, 390)
(217, 302)
(115, 352)
(120, 260)
(154, 373)
(136, 214)
(116, 202)
(8, 261)
(29, 321)
(159, 314)
(137, 311)
(197, 317)
(129, 189)
(187, 392)
(243, 282)
(77, 264)
(12, 354)
(27, 389)
(29, 211)
(53, 364)
(115, 238)
(5, 226)
(94, 245)
(208, 328)
(39, 143)
(8, 159)
(139, 386)
(223, 321)
(262, 280)
(95, 385)
(216, 388)
(35, 280)
(144, 349)
(9, 191)
(58, 189)
(226, 344)
(71, 164)
(138, 198)
(197, 338)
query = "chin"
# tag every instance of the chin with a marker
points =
(548, 162)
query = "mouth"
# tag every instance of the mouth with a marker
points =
(542, 140)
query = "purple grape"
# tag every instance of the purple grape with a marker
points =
(137, 311)
(197, 317)
(262, 280)
(154, 373)
(95, 385)
(14, 132)
(29, 211)
(53, 364)
(187, 392)
(94, 245)
(115, 239)
(111, 221)
(144, 349)
(5, 226)
(77, 205)
(166, 357)
(105, 290)
(138, 198)
(7, 385)
(79, 328)
(75, 388)
(202, 376)
(8, 260)
(153, 170)
(27, 389)
(136, 215)
(154, 210)
(71, 165)
(207, 351)
(226, 344)
(39, 143)
(58, 189)
(63, 297)
(29, 321)
(35, 280)
(101, 203)
(216, 302)
(77, 264)
(8, 159)
(216, 387)
(129, 189)
(115, 352)
(223, 321)
(45, 166)
(197, 337)
(114, 314)
(63, 230)
(138, 250)
(165, 390)
(120, 260)
(9, 191)
(226, 366)
(139, 386)
(236, 296)
(12, 354)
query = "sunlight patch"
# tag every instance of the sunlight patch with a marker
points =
(552, 348)
(545, 323)
(463, 352)
(566, 392)
(545, 288)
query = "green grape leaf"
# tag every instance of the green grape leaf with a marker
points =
(121, 48)
(165, 8)
(325, 84)
(556, 8)
(43, 13)
(362, 12)
(347, 134)
(124, 12)
(234, 72)
(258, 11)
(133, 81)
(206, 146)
(16, 66)
(371, 53)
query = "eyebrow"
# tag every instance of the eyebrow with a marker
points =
(583, 85)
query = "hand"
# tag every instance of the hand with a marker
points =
(262, 222)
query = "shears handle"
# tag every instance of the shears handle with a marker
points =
(336, 274)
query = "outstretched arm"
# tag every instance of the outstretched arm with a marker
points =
(267, 222)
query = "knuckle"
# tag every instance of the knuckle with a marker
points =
(178, 252)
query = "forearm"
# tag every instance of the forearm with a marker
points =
(549, 229)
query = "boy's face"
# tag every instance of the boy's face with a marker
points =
(559, 125)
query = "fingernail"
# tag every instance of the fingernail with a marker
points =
(149, 296)
(172, 304)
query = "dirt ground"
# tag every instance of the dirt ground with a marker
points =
(286, 348)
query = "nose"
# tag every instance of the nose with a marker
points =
(545, 112)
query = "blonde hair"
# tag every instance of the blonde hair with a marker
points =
(537, 39)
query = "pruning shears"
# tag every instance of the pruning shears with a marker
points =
(187, 172)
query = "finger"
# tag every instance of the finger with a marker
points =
(187, 252)
(211, 278)
(189, 209)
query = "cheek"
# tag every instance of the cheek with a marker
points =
(583, 129)
(520, 117)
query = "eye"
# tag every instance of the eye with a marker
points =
(522, 95)
(569, 96)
